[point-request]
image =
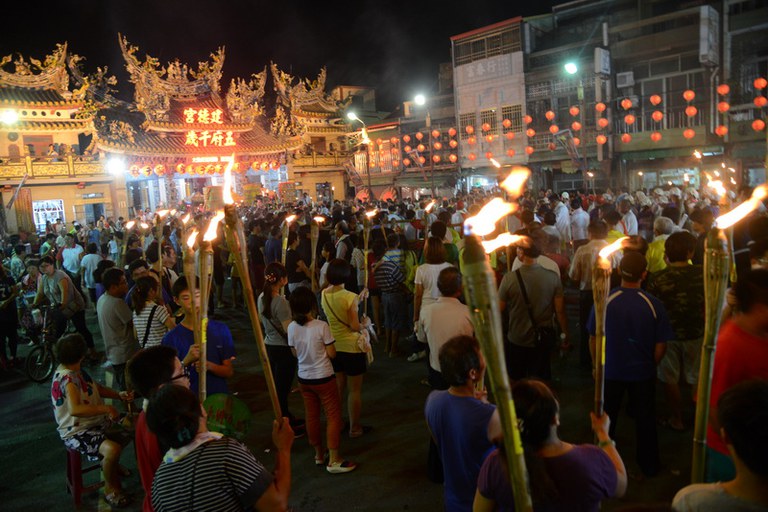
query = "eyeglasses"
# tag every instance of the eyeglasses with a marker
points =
(184, 374)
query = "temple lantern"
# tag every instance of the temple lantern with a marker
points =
(419, 135)
(472, 140)
(453, 158)
(506, 123)
(134, 170)
(159, 170)
(470, 129)
(688, 133)
(657, 115)
(406, 138)
(530, 132)
(761, 101)
(264, 166)
(691, 111)
(529, 150)
(453, 144)
(510, 152)
(210, 169)
(758, 125)
(438, 145)
(601, 139)
(486, 127)
(420, 148)
(527, 119)
(395, 163)
(600, 107)
(509, 135)
(655, 99)
(549, 115)
(407, 149)
(190, 169)
(273, 165)
(721, 130)
(217, 168)
(472, 156)
(180, 168)
(394, 151)
(406, 162)
(451, 132)
(488, 155)
(723, 107)
(200, 170)
(554, 129)
(760, 83)
(602, 123)
(422, 160)
(576, 126)
(626, 103)
(379, 141)
(576, 141)
(489, 138)
(574, 111)
(629, 119)
(551, 146)
(626, 138)
(146, 170)
(436, 158)
(723, 89)
(393, 141)
(435, 134)
(689, 95)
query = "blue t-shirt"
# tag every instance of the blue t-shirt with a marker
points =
(635, 322)
(460, 427)
(273, 250)
(219, 348)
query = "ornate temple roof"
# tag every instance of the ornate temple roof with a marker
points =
(306, 97)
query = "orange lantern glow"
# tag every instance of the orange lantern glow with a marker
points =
(529, 150)
(435, 134)
(626, 103)
(691, 111)
(629, 119)
(576, 141)
(688, 133)
(134, 170)
(472, 156)
(655, 136)
(549, 115)
(453, 143)
(723, 89)
(190, 169)
(146, 170)
(602, 123)
(488, 155)
(180, 168)
(575, 126)
(264, 166)
(527, 119)
(472, 140)
(601, 139)
(452, 157)
(761, 101)
(723, 107)
(486, 127)
(470, 129)
(721, 130)
(758, 125)
(689, 95)
(407, 149)
(626, 138)
(574, 111)
(422, 160)
(160, 169)
(509, 135)
(438, 145)
(510, 152)
(554, 129)
(379, 141)
(489, 138)
(436, 158)
(551, 146)
(419, 135)
(406, 138)
(530, 132)
(393, 141)
(406, 162)
(420, 148)
(395, 163)
(655, 99)
(657, 115)
(600, 107)
(760, 83)
(506, 123)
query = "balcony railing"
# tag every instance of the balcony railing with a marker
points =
(69, 166)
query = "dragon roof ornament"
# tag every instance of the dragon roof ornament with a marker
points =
(305, 93)
(244, 99)
(31, 73)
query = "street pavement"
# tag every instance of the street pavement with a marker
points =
(391, 475)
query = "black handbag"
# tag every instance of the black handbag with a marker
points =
(544, 337)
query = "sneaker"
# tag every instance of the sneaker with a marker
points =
(344, 466)
(417, 356)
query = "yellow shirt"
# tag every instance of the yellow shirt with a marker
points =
(655, 254)
(336, 306)
(614, 235)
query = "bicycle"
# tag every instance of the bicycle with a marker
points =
(41, 360)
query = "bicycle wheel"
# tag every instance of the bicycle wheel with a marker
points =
(39, 365)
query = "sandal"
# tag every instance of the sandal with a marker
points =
(322, 461)
(117, 499)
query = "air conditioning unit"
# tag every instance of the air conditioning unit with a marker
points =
(625, 79)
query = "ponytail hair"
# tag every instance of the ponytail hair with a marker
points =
(303, 303)
(140, 293)
(274, 272)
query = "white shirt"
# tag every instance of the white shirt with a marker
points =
(310, 341)
(628, 224)
(579, 224)
(70, 259)
(426, 276)
(441, 321)
(545, 262)
(584, 260)
(89, 263)
(563, 222)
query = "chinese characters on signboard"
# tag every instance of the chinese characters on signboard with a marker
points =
(206, 138)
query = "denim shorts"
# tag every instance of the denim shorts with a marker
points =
(396, 312)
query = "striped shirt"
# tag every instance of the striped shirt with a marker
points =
(220, 475)
(389, 276)
(156, 331)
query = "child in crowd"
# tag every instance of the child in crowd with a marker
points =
(311, 341)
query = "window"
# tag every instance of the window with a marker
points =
(515, 114)
(489, 45)
(489, 116)
(47, 211)
(464, 121)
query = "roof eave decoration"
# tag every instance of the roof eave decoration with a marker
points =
(49, 74)
(296, 100)
(244, 99)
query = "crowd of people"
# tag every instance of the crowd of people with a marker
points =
(319, 310)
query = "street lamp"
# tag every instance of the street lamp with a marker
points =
(9, 117)
(421, 100)
(571, 68)
(366, 142)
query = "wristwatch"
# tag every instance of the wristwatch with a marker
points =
(562, 336)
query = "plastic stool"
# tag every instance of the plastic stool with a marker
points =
(75, 471)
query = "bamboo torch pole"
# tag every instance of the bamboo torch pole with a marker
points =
(190, 274)
(126, 236)
(159, 225)
(366, 241)
(315, 236)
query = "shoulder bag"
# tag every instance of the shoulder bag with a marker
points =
(363, 340)
(149, 325)
(544, 337)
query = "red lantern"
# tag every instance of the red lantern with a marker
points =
(472, 140)
(529, 150)
(576, 141)
(655, 99)
(549, 115)
(758, 125)
(551, 146)
(602, 123)
(530, 132)
(453, 143)
(393, 140)
(160, 169)
(721, 130)
(510, 152)
(626, 103)
(489, 138)
(379, 141)
(723, 107)
(760, 83)
(554, 129)
(406, 138)
(723, 89)
(575, 126)
(134, 171)
(436, 158)
(600, 107)
(146, 170)
(190, 169)
(527, 119)
(452, 157)
(655, 136)
(688, 133)
(419, 135)
(406, 162)
(629, 119)
(657, 115)
(488, 155)
(407, 149)
(472, 156)
(626, 138)
(435, 134)
(691, 111)
(601, 139)
(510, 135)
(200, 170)
(470, 129)
(506, 123)
(395, 162)
(422, 160)
(438, 146)
(210, 169)
(486, 127)
(761, 101)
(452, 132)
(180, 168)
(689, 95)
(574, 111)
(420, 148)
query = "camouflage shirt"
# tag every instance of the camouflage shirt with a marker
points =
(681, 289)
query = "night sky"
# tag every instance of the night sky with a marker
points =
(393, 45)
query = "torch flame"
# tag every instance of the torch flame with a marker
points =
(227, 192)
(500, 241)
(130, 224)
(319, 219)
(495, 163)
(161, 213)
(210, 234)
(516, 180)
(371, 214)
(144, 225)
(173, 212)
(191, 239)
(729, 219)
(431, 205)
(290, 219)
(606, 251)
(186, 218)
(717, 187)
(485, 221)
